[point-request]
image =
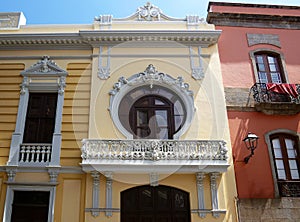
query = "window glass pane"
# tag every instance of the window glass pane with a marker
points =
(142, 118)
(159, 102)
(271, 59)
(293, 164)
(162, 133)
(161, 117)
(178, 122)
(273, 68)
(261, 67)
(275, 76)
(277, 153)
(142, 132)
(281, 174)
(289, 143)
(276, 143)
(262, 77)
(295, 174)
(279, 164)
(291, 153)
(259, 59)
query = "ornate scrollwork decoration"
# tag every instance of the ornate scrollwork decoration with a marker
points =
(149, 12)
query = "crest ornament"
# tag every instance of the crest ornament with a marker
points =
(149, 12)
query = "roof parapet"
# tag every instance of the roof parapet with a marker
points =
(11, 20)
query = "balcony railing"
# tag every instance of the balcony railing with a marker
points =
(35, 154)
(283, 99)
(153, 150)
(289, 188)
(262, 94)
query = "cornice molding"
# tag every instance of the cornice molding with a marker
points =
(253, 20)
(89, 39)
(204, 38)
(251, 5)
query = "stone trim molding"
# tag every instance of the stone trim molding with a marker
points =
(253, 20)
(154, 179)
(214, 193)
(104, 63)
(271, 39)
(200, 192)
(149, 78)
(30, 187)
(95, 38)
(109, 192)
(196, 63)
(95, 197)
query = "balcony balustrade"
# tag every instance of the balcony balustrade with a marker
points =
(35, 154)
(153, 152)
(282, 100)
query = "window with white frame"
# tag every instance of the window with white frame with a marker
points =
(37, 137)
(27, 204)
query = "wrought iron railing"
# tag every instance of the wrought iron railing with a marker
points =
(35, 153)
(289, 188)
(153, 150)
(262, 94)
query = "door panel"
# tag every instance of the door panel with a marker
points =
(155, 204)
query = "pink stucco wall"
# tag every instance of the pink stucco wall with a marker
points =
(255, 180)
(235, 59)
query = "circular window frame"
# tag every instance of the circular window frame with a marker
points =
(151, 78)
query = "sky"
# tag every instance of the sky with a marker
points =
(84, 11)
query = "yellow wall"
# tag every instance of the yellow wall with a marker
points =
(10, 80)
(75, 112)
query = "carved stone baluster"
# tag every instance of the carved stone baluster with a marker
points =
(38, 153)
(32, 153)
(43, 153)
(48, 153)
(27, 153)
(23, 151)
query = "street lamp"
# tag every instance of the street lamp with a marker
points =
(251, 143)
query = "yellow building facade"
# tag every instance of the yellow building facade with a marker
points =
(120, 120)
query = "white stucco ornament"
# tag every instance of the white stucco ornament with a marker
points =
(149, 12)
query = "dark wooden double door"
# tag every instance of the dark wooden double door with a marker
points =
(155, 204)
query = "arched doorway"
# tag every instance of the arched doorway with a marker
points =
(155, 204)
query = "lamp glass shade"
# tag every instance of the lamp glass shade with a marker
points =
(251, 141)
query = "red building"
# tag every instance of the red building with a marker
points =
(259, 52)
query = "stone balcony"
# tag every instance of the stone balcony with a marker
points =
(146, 156)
